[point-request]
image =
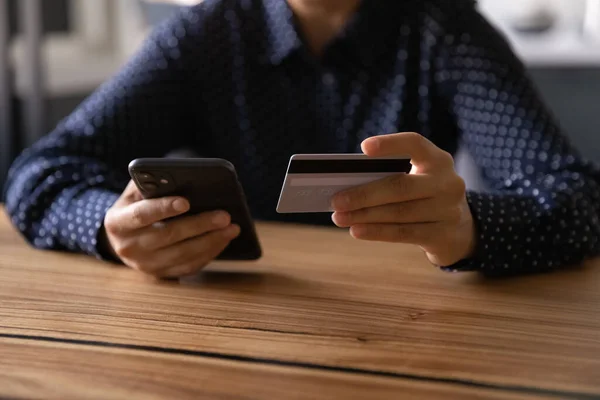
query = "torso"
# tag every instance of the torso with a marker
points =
(258, 114)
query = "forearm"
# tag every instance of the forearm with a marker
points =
(59, 190)
(543, 208)
(58, 203)
(521, 234)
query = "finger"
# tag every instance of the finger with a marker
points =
(394, 189)
(199, 251)
(408, 212)
(194, 266)
(418, 234)
(147, 212)
(130, 195)
(423, 153)
(160, 236)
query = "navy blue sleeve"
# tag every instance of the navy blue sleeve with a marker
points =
(59, 190)
(542, 210)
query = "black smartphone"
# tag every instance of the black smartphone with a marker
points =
(208, 184)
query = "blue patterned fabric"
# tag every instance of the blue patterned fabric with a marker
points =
(234, 79)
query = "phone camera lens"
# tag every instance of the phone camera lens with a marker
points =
(145, 176)
(150, 186)
(164, 181)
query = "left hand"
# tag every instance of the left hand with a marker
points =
(427, 207)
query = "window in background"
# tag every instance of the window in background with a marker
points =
(564, 60)
(157, 11)
(85, 42)
(55, 16)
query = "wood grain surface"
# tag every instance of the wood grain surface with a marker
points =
(38, 370)
(320, 298)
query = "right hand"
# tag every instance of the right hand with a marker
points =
(136, 233)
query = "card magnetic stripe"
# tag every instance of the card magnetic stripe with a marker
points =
(364, 166)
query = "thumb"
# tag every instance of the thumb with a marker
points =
(423, 153)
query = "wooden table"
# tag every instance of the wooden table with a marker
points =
(321, 316)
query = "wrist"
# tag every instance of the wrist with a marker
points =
(105, 249)
(471, 237)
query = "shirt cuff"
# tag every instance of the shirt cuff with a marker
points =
(499, 246)
(85, 218)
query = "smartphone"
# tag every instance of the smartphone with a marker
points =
(208, 184)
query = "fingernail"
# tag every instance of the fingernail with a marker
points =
(357, 231)
(180, 205)
(339, 218)
(335, 217)
(220, 219)
(231, 232)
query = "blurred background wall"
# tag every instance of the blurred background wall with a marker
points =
(85, 41)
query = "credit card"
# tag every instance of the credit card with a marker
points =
(313, 179)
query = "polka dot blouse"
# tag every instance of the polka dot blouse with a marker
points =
(234, 79)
